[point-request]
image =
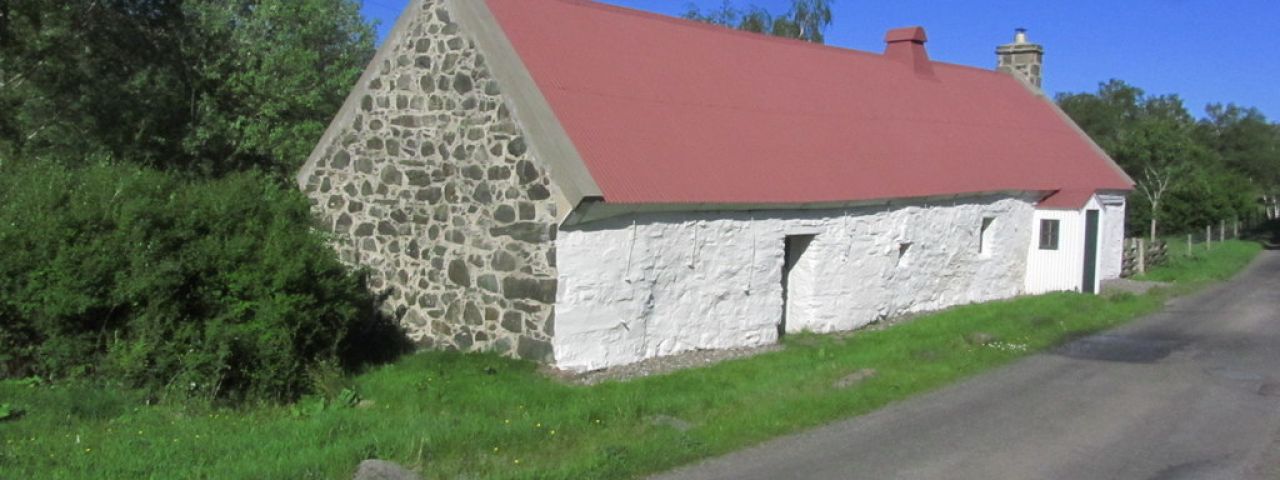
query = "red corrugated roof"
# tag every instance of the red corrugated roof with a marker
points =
(664, 110)
(1066, 199)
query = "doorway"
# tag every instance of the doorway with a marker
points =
(794, 247)
(1090, 252)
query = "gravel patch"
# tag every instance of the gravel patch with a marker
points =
(657, 366)
(700, 358)
(1131, 286)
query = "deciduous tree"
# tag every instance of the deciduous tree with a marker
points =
(1179, 173)
(805, 20)
(207, 86)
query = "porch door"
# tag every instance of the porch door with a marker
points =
(1090, 251)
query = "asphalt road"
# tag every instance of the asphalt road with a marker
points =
(1192, 392)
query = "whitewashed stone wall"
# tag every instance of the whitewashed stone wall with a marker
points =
(653, 284)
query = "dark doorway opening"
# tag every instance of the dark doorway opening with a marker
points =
(794, 248)
(1090, 252)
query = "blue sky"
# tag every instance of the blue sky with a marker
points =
(1204, 50)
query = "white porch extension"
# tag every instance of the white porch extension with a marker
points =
(1056, 257)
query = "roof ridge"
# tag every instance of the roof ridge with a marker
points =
(712, 27)
(729, 31)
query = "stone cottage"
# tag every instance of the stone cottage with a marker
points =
(589, 186)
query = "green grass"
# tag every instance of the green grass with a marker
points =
(1218, 262)
(475, 416)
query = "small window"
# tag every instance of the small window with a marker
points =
(984, 236)
(1048, 234)
(903, 248)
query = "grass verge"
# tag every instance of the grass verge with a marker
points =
(476, 416)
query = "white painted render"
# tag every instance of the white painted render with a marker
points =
(1111, 245)
(1063, 269)
(652, 284)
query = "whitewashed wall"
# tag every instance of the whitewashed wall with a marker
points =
(652, 284)
(1111, 246)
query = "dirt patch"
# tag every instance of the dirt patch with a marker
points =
(854, 378)
(678, 424)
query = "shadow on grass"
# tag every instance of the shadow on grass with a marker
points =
(379, 339)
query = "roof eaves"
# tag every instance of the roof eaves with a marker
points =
(595, 208)
(1066, 199)
(1074, 127)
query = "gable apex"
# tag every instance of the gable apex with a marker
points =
(528, 109)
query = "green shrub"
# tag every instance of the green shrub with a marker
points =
(214, 288)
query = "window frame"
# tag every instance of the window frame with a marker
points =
(1050, 233)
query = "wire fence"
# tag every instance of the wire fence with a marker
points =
(1141, 254)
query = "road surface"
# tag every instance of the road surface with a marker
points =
(1192, 392)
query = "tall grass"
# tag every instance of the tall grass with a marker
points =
(450, 415)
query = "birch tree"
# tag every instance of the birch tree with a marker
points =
(1154, 184)
(805, 20)
(1163, 152)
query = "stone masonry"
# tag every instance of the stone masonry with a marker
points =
(425, 178)
(1022, 58)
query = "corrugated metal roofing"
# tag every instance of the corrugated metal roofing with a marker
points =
(665, 110)
(1073, 199)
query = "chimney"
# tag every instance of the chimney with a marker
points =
(906, 45)
(1021, 58)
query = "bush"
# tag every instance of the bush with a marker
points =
(213, 288)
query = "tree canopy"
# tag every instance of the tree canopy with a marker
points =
(152, 239)
(204, 86)
(1189, 173)
(805, 20)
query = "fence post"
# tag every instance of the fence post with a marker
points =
(1235, 229)
(1189, 253)
(1141, 265)
(1208, 237)
(1222, 230)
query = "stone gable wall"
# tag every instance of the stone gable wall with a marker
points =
(429, 183)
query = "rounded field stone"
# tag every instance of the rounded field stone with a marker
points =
(459, 273)
(462, 83)
(504, 214)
